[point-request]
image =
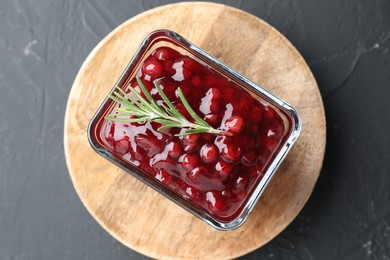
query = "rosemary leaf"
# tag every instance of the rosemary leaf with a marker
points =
(192, 113)
(135, 108)
(171, 110)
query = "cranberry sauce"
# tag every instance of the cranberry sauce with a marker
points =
(215, 173)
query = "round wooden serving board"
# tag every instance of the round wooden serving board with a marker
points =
(141, 218)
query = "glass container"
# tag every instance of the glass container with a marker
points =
(217, 177)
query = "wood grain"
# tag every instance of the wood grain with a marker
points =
(138, 216)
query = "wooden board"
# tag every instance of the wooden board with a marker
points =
(138, 216)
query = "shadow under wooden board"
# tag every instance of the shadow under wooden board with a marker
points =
(138, 216)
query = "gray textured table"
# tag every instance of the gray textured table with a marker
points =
(42, 46)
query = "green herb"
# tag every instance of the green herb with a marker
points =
(136, 108)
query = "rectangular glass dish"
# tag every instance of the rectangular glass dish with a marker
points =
(216, 175)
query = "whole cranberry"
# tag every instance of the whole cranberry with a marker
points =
(122, 145)
(224, 169)
(174, 149)
(162, 54)
(209, 152)
(215, 201)
(268, 112)
(152, 68)
(231, 153)
(164, 177)
(234, 124)
(256, 114)
(198, 174)
(249, 158)
(189, 161)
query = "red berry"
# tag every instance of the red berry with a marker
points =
(180, 186)
(164, 177)
(221, 142)
(168, 68)
(240, 183)
(148, 85)
(227, 192)
(253, 171)
(209, 152)
(250, 143)
(241, 106)
(254, 128)
(268, 112)
(214, 93)
(274, 129)
(271, 133)
(196, 81)
(161, 161)
(149, 144)
(122, 145)
(182, 71)
(213, 119)
(263, 157)
(189, 161)
(162, 54)
(249, 158)
(197, 174)
(195, 194)
(155, 125)
(234, 124)
(209, 105)
(192, 138)
(190, 64)
(169, 89)
(215, 201)
(241, 195)
(190, 147)
(214, 107)
(210, 80)
(222, 83)
(270, 143)
(152, 68)
(174, 149)
(186, 89)
(229, 148)
(210, 102)
(223, 169)
(229, 94)
(256, 114)
(231, 153)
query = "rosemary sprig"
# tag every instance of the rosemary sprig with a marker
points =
(139, 109)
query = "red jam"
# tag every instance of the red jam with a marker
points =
(215, 173)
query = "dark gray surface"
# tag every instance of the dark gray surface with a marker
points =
(42, 46)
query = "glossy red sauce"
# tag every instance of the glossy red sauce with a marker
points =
(215, 173)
